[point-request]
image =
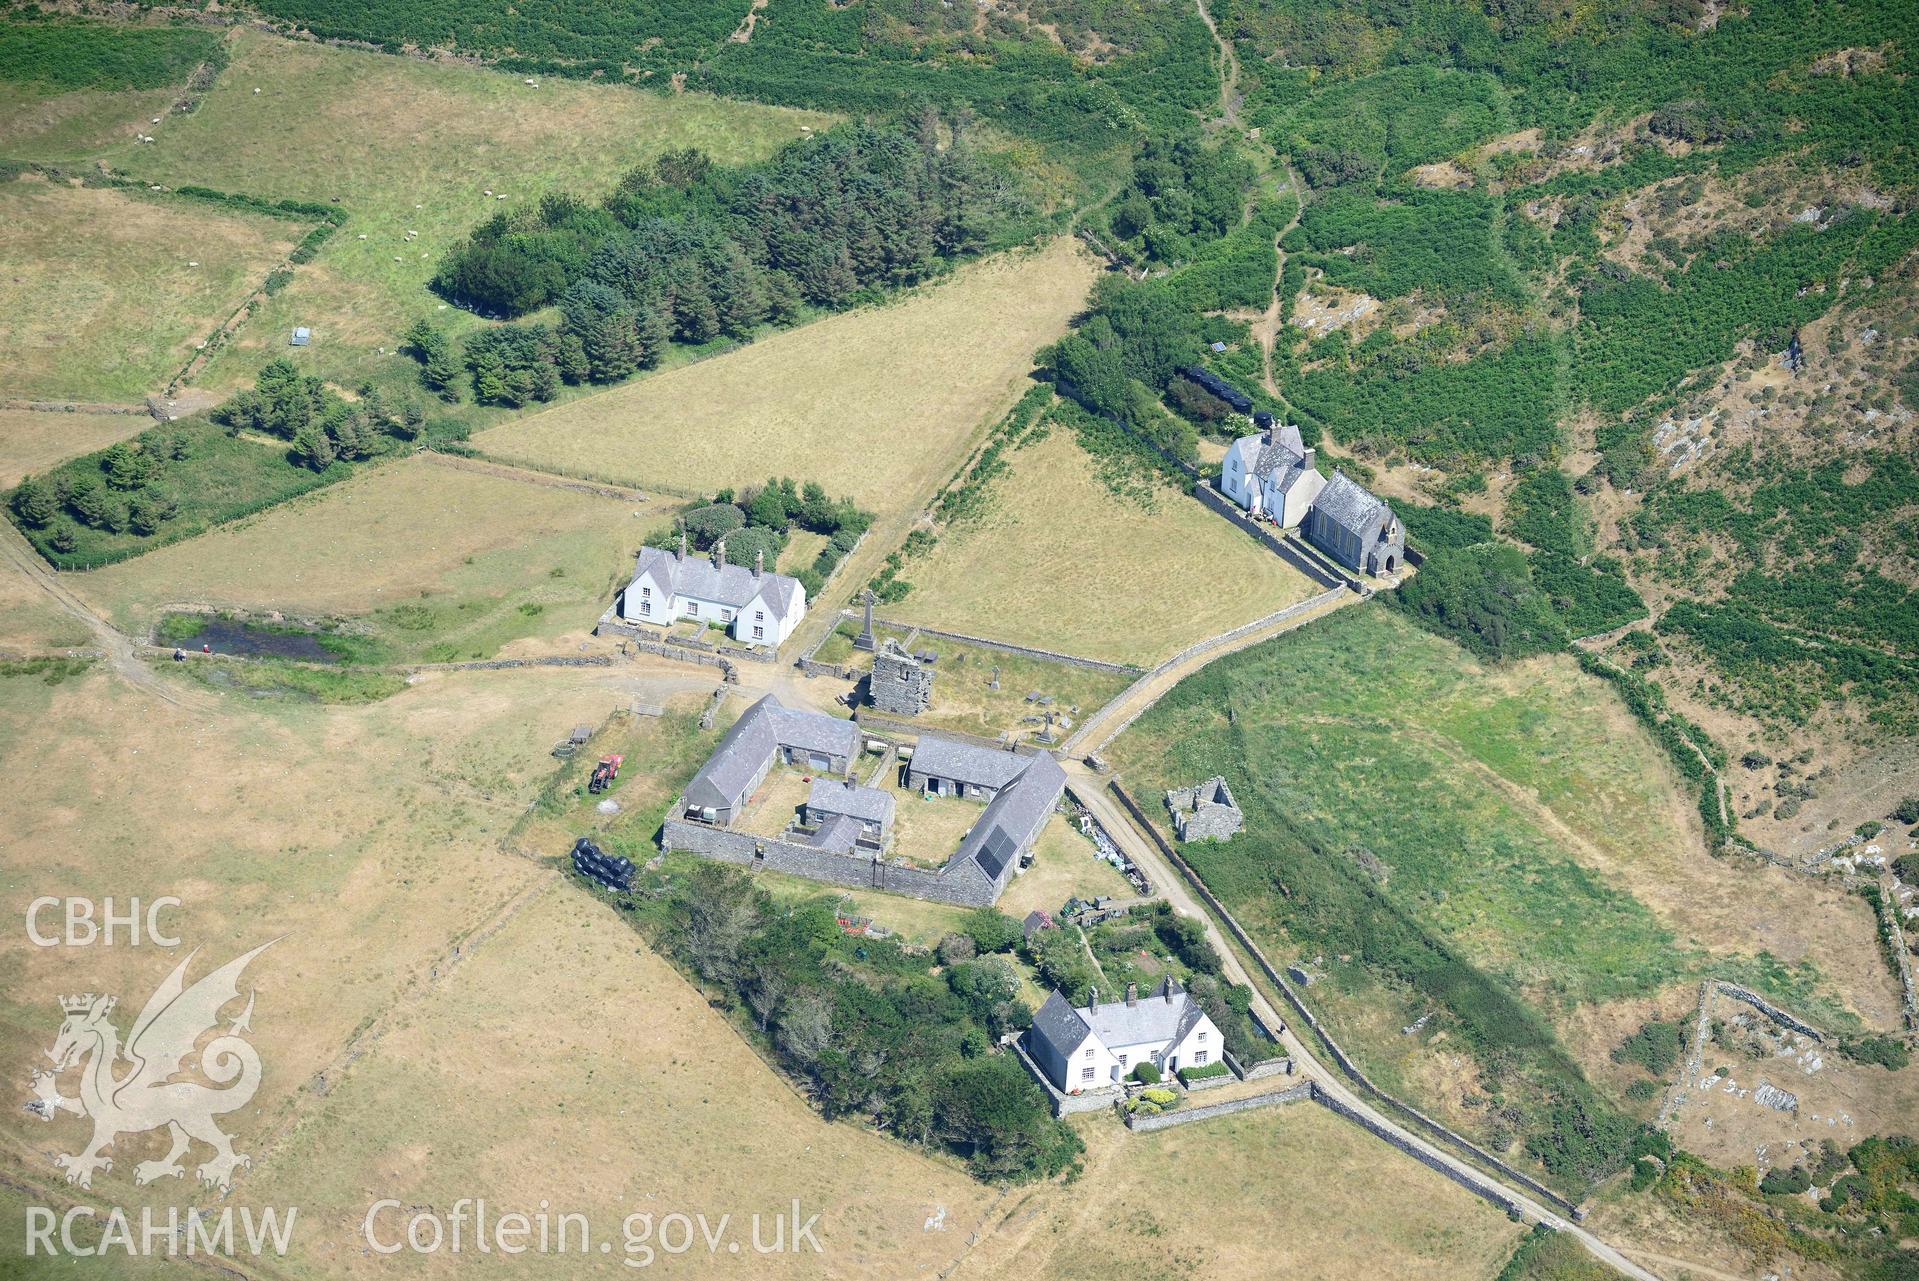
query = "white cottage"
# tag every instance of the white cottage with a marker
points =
(1272, 473)
(1097, 1046)
(755, 607)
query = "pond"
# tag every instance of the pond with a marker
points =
(228, 636)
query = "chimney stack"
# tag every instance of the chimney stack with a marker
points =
(719, 554)
(1132, 994)
(1312, 458)
(759, 562)
(682, 542)
(1166, 989)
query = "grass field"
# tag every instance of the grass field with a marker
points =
(103, 293)
(30, 622)
(615, 1091)
(39, 123)
(1062, 563)
(878, 403)
(404, 146)
(1292, 1191)
(32, 442)
(1402, 799)
(433, 562)
(254, 815)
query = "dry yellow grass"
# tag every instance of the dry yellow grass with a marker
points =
(31, 442)
(878, 403)
(1061, 563)
(610, 1088)
(30, 621)
(103, 293)
(386, 536)
(367, 836)
(1287, 1192)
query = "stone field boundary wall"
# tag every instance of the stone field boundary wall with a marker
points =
(1346, 1065)
(1207, 1111)
(744, 849)
(1279, 543)
(1770, 1010)
(1191, 652)
(1007, 647)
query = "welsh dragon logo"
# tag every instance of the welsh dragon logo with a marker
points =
(138, 1086)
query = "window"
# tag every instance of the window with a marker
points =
(693, 608)
(1199, 1056)
(646, 593)
(1202, 1038)
(759, 616)
(759, 633)
(1086, 1075)
(645, 608)
(1089, 1051)
(726, 616)
(1122, 1060)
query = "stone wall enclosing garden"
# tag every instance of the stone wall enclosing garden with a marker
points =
(746, 850)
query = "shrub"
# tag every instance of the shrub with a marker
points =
(1907, 811)
(954, 948)
(1645, 1173)
(1655, 1047)
(1147, 1074)
(1161, 1097)
(1205, 1072)
(1888, 1052)
(1869, 829)
(1783, 1182)
(993, 930)
(1906, 868)
(1641, 1091)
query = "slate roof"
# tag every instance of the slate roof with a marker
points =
(1013, 818)
(1348, 504)
(838, 834)
(1057, 1024)
(991, 767)
(1154, 1020)
(734, 586)
(767, 726)
(1261, 456)
(831, 796)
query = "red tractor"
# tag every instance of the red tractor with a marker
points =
(604, 773)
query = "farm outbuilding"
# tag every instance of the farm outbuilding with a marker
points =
(301, 337)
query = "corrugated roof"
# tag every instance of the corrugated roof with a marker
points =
(832, 796)
(943, 757)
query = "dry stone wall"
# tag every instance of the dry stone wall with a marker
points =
(743, 849)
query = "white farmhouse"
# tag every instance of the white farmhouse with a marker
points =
(756, 608)
(1097, 1046)
(1272, 473)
